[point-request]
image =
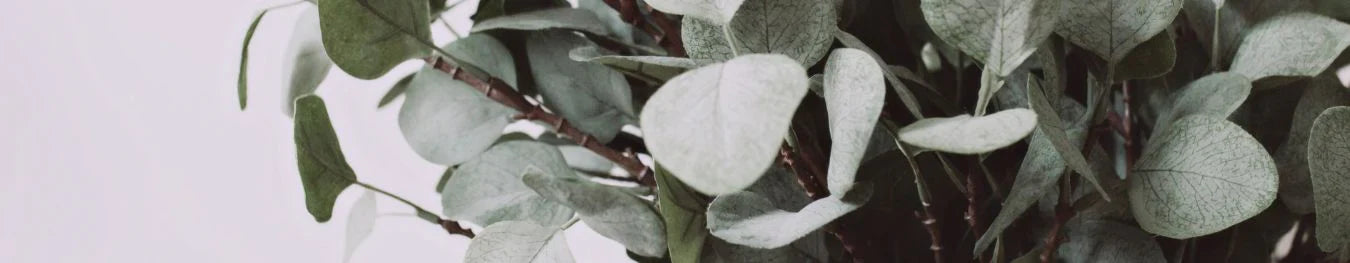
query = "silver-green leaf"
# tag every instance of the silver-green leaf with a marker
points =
(1217, 95)
(653, 69)
(906, 96)
(970, 135)
(1296, 190)
(593, 98)
(306, 64)
(1001, 33)
(360, 223)
(367, 38)
(554, 18)
(1055, 129)
(799, 29)
(717, 128)
(448, 122)
(518, 242)
(1201, 175)
(488, 189)
(719, 12)
(1108, 241)
(1112, 28)
(1329, 166)
(1291, 45)
(751, 219)
(854, 94)
(609, 211)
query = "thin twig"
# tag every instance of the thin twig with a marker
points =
(1063, 211)
(450, 226)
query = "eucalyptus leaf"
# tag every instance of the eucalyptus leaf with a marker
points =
(1107, 241)
(1112, 28)
(799, 29)
(970, 135)
(518, 242)
(324, 171)
(360, 223)
(717, 128)
(719, 12)
(1217, 95)
(467, 198)
(1291, 45)
(1001, 33)
(683, 210)
(906, 96)
(610, 17)
(367, 38)
(554, 18)
(654, 69)
(1329, 166)
(1201, 175)
(306, 64)
(593, 98)
(242, 85)
(448, 122)
(396, 90)
(1296, 190)
(585, 160)
(1049, 122)
(1150, 59)
(854, 95)
(750, 219)
(609, 211)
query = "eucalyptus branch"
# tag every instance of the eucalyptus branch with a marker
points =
(450, 226)
(1063, 211)
(665, 31)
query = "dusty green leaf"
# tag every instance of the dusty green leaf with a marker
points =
(448, 122)
(1150, 59)
(1329, 167)
(445, 177)
(854, 94)
(554, 18)
(607, 210)
(1291, 45)
(593, 98)
(242, 86)
(613, 21)
(1216, 95)
(367, 38)
(518, 242)
(717, 128)
(1055, 129)
(1108, 241)
(305, 64)
(799, 29)
(970, 135)
(751, 219)
(466, 198)
(682, 209)
(653, 69)
(360, 223)
(719, 12)
(1001, 33)
(1201, 175)
(323, 169)
(395, 91)
(911, 103)
(1112, 28)
(1296, 191)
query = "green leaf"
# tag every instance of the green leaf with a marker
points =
(367, 38)
(485, 52)
(682, 209)
(906, 96)
(396, 91)
(654, 69)
(609, 211)
(1329, 166)
(1001, 33)
(466, 198)
(1216, 95)
(306, 64)
(447, 122)
(717, 128)
(1112, 28)
(720, 12)
(360, 223)
(1055, 129)
(854, 94)
(613, 21)
(750, 219)
(554, 18)
(243, 59)
(518, 242)
(1291, 45)
(970, 135)
(445, 177)
(1201, 175)
(1150, 59)
(1107, 241)
(323, 170)
(1296, 190)
(593, 98)
(799, 29)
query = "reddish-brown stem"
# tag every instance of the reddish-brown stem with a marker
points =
(929, 223)
(665, 31)
(498, 91)
(792, 162)
(1128, 126)
(1063, 211)
(454, 228)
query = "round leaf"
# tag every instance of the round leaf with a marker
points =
(607, 210)
(1002, 33)
(1217, 95)
(593, 98)
(367, 38)
(800, 29)
(447, 122)
(716, 11)
(518, 242)
(1296, 191)
(1329, 166)
(488, 189)
(1292, 45)
(1112, 28)
(970, 135)
(750, 219)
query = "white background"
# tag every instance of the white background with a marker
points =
(121, 140)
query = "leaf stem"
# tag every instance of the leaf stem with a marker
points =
(1063, 211)
(926, 214)
(420, 210)
(450, 226)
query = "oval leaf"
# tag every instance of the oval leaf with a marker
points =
(324, 171)
(595, 99)
(1002, 33)
(1202, 175)
(465, 197)
(1329, 166)
(555, 18)
(717, 128)
(1112, 28)
(447, 122)
(607, 210)
(854, 94)
(719, 12)
(970, 135)
(518, 242)
(360, 223)
(799, 29)
(1217, 95)
(1107, 241)
(1296, 190)
(367, 38)
(653, 69)
(750, 219)
(306, 64)
(1292, 45)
